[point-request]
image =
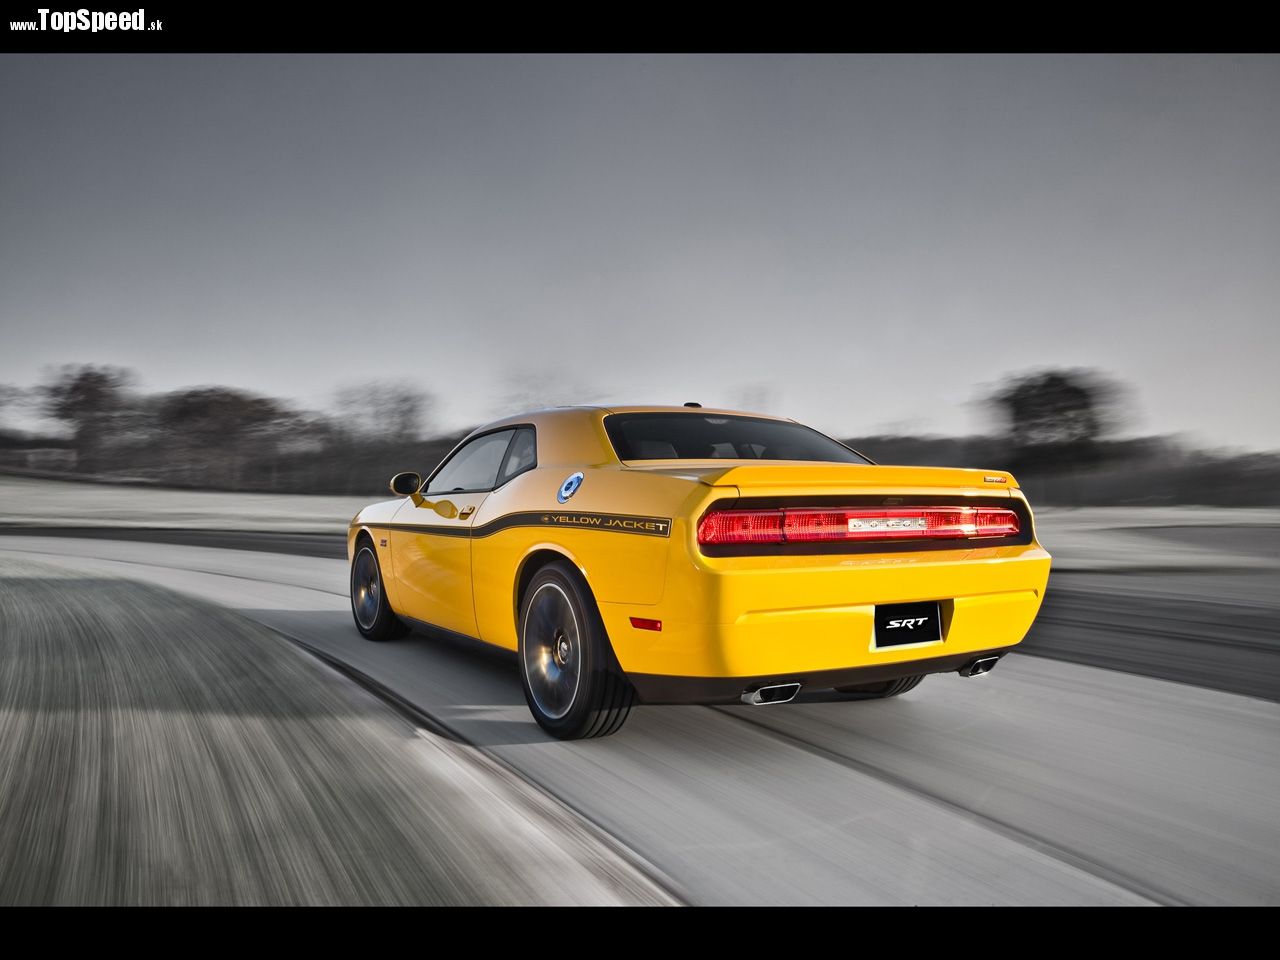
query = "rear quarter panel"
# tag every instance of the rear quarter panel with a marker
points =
(620, 567)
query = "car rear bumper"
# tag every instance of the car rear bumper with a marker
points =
(657, 688)
(743, 621)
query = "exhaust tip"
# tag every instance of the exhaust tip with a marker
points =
(774, 693)
(979, 667)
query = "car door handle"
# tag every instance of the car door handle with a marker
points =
(466, 512)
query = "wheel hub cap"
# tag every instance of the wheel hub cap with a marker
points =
(365, 588)
(549, 646)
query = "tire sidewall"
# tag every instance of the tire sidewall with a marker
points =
(378, 628)
(882, 691)
(591, 649)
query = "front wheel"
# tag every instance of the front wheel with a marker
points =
(373, 614)
(884, 689)
(572, 685)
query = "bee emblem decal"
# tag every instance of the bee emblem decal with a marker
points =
(569, 487)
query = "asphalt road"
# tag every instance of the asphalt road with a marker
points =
(1130, 623)
(155, 749)
(1218, 629)
(1047, 782)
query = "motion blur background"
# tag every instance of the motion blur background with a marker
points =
(227, 282)
(300, 273)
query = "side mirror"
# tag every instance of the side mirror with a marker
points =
(405, 484)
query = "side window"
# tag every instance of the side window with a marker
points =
(522, 456)
(474, 467)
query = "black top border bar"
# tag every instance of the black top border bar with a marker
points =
(68, 27)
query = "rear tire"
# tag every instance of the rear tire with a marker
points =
(572, 683)
(884, 689)
(369, 605)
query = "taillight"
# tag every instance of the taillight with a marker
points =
(742, 526)
(807, 525)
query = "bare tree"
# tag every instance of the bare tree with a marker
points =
(1058, 408)
(220, 431)
(385, 411)
(9, 395)
(89, 399)
(540, 387)
(1055, 420)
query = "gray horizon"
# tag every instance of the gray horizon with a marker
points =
(860, 242)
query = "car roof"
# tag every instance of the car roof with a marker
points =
(576, 434)
(683, 409)
(605, 410)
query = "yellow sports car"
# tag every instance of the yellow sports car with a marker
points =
(689, 555)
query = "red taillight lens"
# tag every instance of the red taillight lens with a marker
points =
(803, 525)
(741, 526)
(997, 523)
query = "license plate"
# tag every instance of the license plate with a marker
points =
(903, 623)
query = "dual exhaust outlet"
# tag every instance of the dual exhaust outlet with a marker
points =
(774, 693)
(786, 692)
(979, 667)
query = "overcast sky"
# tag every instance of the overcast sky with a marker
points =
(858, 242)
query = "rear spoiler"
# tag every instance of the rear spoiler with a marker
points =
(852, 476)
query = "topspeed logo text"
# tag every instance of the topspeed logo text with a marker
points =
(93, 21)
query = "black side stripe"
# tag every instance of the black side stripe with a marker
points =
(607, 522)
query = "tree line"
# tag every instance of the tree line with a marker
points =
(217, 437)
(1055, 429)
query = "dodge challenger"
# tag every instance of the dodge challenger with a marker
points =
(688, 555)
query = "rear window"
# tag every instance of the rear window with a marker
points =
(698, 436)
